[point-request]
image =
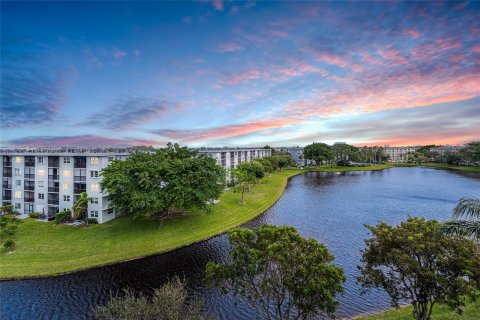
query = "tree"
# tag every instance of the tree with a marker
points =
(344, 153)
(281, 274)
(318, 152)
(283, 160)
(168, 303)
(267, 165)
(471, 152)
(242, 181)
(254, 168)
(80, 207)
(163, 183)
(415, 262)
(465, 219)
(8, 228)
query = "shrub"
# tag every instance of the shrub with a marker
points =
(6, 208)
(34, 215)
(9, 245)
(92, 221)
(63, 216)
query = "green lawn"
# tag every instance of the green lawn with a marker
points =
(439, 166)
(45, 249)
(471, 312)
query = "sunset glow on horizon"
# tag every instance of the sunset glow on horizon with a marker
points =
(218, 73)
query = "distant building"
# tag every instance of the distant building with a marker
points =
(297, 155)
(230, 158)
(400, 154)
(442, 149)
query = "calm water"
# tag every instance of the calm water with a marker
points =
(330, 207)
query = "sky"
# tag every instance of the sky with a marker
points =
(226, 73)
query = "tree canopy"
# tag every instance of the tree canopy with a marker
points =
(281, 274)
(318, 152)
(415, 262)
(164, 182)
(344, 153)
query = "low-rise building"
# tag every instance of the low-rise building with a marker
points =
(399, 154)
(297, 155)
(230, 158)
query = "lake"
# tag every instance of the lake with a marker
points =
(330, 207)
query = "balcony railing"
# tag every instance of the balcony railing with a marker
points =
(7, 172)
(7, 163)
(78, 191)
(53, 177)
(29, 188)
(29, 199)
(80, 178)
(79, 165)
(53, 189)
(53, 201)
(29, 176)
(6, 185)
(7, 197)
(30, 164)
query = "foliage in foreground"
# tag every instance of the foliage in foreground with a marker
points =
(80, 208)
(465, 219)
(8, 228)
(415, 262)
(164, 183)
(281, 274)
(167, 303)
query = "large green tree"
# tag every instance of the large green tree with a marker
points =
(281, 274)
(242, 181)
(465, 219)
(344, 153)
(415, 262)
(319, 152)
(80, 207)
(163, 183)
(471, 152)
(169, 302)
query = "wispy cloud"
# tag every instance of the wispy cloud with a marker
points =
(81, 141)
(218, 5)
(128, 113)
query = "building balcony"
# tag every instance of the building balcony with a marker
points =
(80, 178)
(29, 199)
(7, 197)
(6, 185)
(78, 191)
(29, 188)
(53, 189)
(53, 177)
(30, 164)
(79, 165)
(7, 163)
(53, 201)
(29, 176)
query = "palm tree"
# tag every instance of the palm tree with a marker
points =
(80, 208)
(465, 219)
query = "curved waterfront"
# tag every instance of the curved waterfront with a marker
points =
(331, 207)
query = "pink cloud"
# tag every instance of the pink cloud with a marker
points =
(218, 5)
(394, 55)
(245, 76)
(230, 47)
(412, 33)
(476, 48)
(289, 72)
(333, 59)
(228, 131)
(118, 54)
(279, 34)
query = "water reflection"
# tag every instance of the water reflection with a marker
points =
(331, 207)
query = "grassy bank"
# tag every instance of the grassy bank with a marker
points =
(471, 312)
(45, 249)
(439, 166)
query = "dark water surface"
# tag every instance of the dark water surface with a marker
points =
(330, 207)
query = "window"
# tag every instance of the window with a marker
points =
(18, 182)
(66, 186)
(94, 187)
(94, 174)
(93, 160)
(110, 210)
(94, 214)
(18, 206)
(40, 159)
(66, 159)
(18, 194)
(18, 159)
(41, 184)
(66, 198)
(110, 159)
(41, 172)
(41, 196)
(94, 200)
(18, 171)
(66, 173)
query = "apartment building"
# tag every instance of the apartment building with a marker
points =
(447, 148)
(49, 180)
(297, 155)
(399, 154)
(230, 158)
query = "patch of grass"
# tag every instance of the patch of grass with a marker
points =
(440, 312)
(46, 249)
(439, 166)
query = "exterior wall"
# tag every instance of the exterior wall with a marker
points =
(297, 156)
(399, 154)
(230, 158)
(443, 149)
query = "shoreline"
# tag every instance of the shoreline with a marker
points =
(228, 215)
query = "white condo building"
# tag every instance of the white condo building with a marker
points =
(50, 180)
(399, 154)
